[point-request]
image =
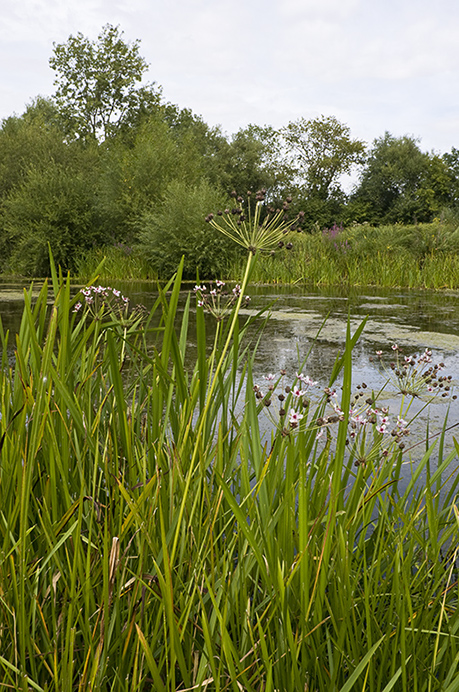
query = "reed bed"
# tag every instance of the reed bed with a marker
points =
(418, 256)
(423, 256)
(118, 261)
(152, 539)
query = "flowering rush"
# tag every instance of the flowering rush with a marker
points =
(294, 418)
(216, 299)
(102, 297)
(255, 225)
(416, 375)
(292, 398)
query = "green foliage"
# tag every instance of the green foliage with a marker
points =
(400, 183)
(54, 205)
(208, 145)
(135, 177)
(320, 213)
(177, 227)
(251, 162)
(451, 160)
(34, 139)
(119, 261)
(150, 542)
(418, 256)
(130, 156)
(319, 151)
(96, 82)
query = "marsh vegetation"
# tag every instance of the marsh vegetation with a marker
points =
(154, 538)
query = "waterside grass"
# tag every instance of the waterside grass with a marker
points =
(115, 262)
(152, 539)
(418, 256)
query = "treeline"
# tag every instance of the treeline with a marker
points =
(106, 161)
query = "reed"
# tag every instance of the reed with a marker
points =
(423, 256)
(120, 261)
(418, 256)
(153, 539)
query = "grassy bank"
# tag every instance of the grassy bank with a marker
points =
(152, 540)
(418, 256)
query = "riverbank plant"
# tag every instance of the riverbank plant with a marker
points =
(118, 261)
(153, 538)
(418, 256)
(397, 256)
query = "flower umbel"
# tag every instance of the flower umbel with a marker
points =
(254, 225)
(217, 300)
(105, 302)
(416, 375)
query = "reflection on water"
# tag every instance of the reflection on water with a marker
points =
(298, 325)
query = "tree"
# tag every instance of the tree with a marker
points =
(451, 160)
(37, 171)
(54, 204)
(136, 174)
(33, 138)
(400, 183)
(318, 152)
(243, 162)
(97, 83)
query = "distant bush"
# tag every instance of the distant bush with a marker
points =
(177, 228)
(54, 205)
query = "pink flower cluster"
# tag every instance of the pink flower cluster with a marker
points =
(217, 300)
(101, 299)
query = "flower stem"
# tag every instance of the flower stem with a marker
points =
(209, 395)
(245, 281)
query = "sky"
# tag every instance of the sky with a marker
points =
(376, 65)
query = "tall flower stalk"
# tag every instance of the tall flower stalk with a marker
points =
(258, 228)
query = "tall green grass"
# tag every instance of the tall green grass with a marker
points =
(421, 256)
(418, 256)
(152, 539)
(114, 262)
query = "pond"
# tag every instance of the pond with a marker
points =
(312, 322)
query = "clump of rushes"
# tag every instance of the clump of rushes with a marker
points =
(255, 225)
(151, 539)
(216, 300)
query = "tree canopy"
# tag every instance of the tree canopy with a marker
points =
(97, 82)
(105, 159)
(402, 183)
(319, 151)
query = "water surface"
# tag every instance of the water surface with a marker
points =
(312, 323)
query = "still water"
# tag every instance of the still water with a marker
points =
(312, 322)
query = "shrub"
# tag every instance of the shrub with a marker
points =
(54, 205)
(177, 227)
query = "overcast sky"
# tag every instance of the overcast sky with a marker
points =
(376, 65)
